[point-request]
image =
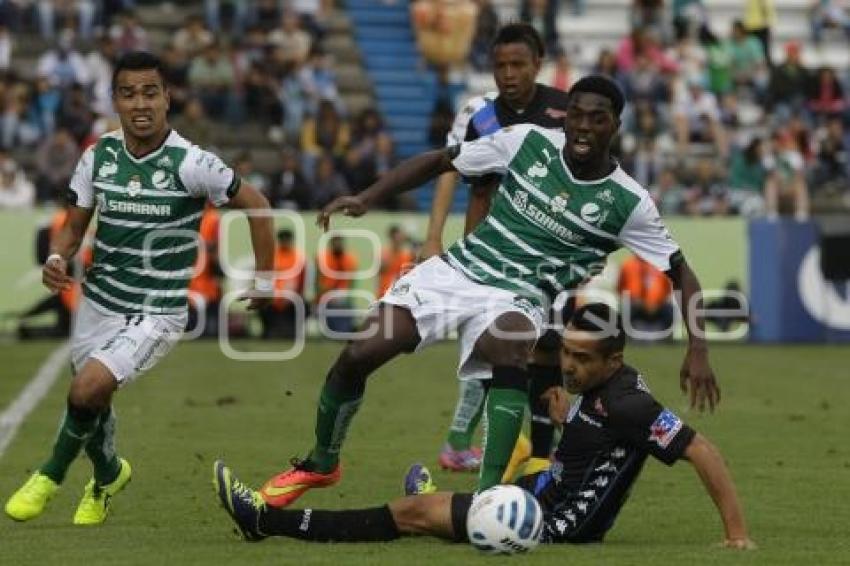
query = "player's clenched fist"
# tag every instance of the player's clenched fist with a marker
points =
(54, 275)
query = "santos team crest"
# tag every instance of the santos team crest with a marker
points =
(134, 187)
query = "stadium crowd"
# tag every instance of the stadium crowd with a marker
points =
(713, 126)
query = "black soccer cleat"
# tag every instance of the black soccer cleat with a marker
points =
(242, 503)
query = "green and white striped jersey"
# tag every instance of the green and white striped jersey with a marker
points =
(546, 230)
(149, 212)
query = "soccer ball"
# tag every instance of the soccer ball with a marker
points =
(504, 519)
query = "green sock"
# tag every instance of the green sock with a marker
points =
(101, 449)
(505, 409)
(77, 427)
(333, 416)
(470, 405)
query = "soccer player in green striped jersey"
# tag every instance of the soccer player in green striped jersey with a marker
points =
(562, 207)
(149, 186)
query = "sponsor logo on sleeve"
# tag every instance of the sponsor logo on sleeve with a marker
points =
(665, 428)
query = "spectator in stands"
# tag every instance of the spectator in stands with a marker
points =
(396, 259)
(667, 192)
(175, 71)
(543, 16)
(641, 156)
(486, 26)
(690, 57)
(365, 161)
(706, 194)
(16, 191)
(830, 14)
(69, 11)
(193, 37)
(647, 14)
(786, 188)
(289, 187)
(43, 107)
(294, 96)
(281, 319)
(759, 18)
(63, 64)
(328, 182)
(291, 41)
(260, 95)
(205, 288)
(110, 9)
(128, 33)
(314, 15)
(606, 64)
(327, 132)
(212, 79)
(267, 14)
(747, 178)
(642, 42)
(75, 113)
(444, 30)
(696, 118)
(243, 164)
(831, 170)
(718, 59)
(789, 83)
(644, 84)
(826, 97)
(7, 45)
(688, 15)
(748, 65)
(562, 74)
(195, 124)
(55, 161)
(100, 65)
(239, 12)
(322, 80)
(645, 294)
(10, 14)
(334, 268)
(17, 125)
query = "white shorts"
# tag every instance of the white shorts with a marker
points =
(126, 344)
(441, 299)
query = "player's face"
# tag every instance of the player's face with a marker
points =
(141, 101)
(515, 69)
(589, 126)
(583, 364)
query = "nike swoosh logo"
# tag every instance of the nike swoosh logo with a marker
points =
(515, 413)
(273, 491)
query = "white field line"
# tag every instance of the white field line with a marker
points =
(15, 414)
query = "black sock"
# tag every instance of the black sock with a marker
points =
(541, 378)
(361, 525)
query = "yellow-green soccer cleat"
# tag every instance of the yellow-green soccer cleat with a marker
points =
(94, 506)
(31, 499)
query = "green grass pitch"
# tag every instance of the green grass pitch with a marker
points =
(782, 425)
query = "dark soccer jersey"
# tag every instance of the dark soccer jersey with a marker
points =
(606, 438)
(484, 115)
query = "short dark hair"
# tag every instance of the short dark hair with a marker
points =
(137, 61)
(603, 86)
(520, 33)
(602, 320)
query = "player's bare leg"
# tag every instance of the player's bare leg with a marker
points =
(392, 332)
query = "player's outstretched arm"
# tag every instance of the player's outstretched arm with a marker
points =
(261, 227)
(66, 244)
(444, 194)
(407, 175)
(708, 463)
(696, 376)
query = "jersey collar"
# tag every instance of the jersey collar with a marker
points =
(149, 154)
